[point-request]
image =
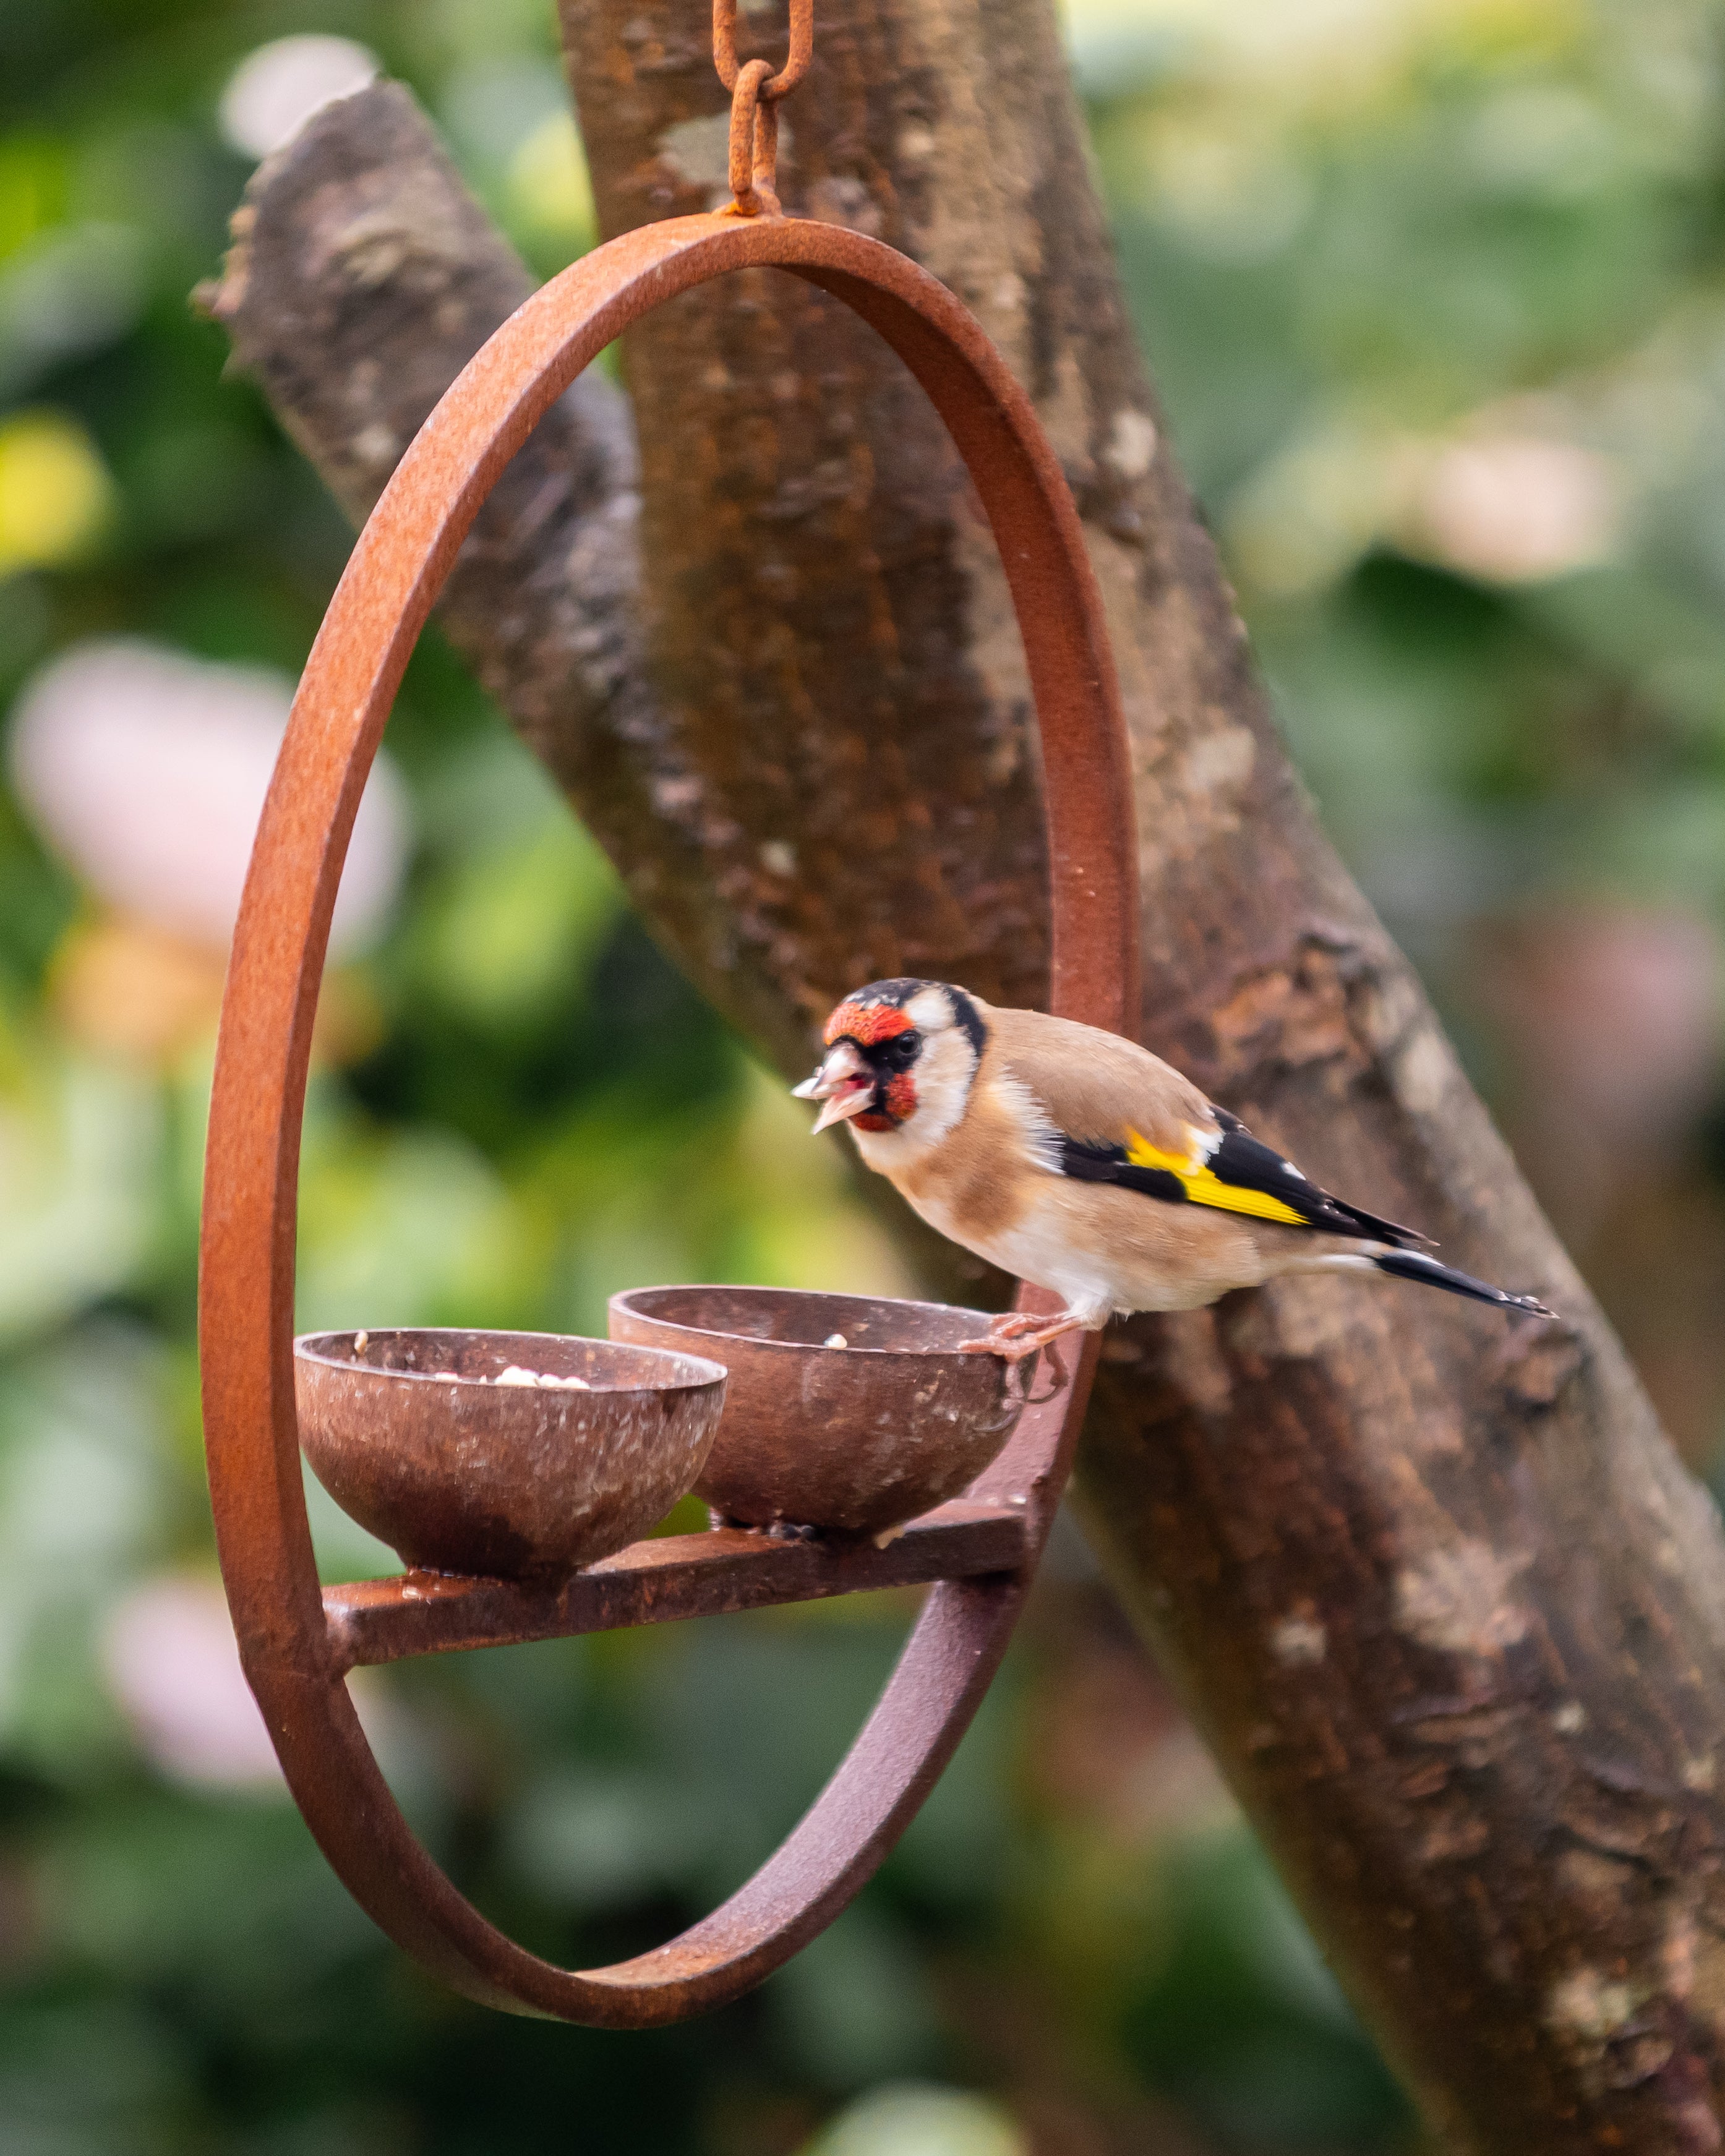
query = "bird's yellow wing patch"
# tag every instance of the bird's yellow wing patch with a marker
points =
(1204, 1187)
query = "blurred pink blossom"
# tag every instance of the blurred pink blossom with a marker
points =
(275, 89)
(1516, 508)
(173, 1666)
(1615, 1011)
(145, 769)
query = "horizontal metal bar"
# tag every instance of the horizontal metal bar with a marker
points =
(656, 1582)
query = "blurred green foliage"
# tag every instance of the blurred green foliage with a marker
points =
(1432, 288)
(1493, 226)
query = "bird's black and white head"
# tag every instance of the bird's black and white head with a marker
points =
(901, 1058)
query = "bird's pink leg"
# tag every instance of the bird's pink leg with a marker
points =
(1021, 1334)
(1009, 1324)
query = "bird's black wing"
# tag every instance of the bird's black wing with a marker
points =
(1242, 1174)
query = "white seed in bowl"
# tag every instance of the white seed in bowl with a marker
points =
(515, 1375)
(835, 1340)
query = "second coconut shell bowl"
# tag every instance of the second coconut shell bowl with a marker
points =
(850, 1412)
(517, 1455)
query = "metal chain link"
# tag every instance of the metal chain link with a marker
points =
(755, 92)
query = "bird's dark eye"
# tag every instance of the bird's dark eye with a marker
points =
(901, 1052)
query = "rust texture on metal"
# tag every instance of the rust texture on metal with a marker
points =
(662, 1581)
(754, 151)
(842, 1411)
(755, 94)
(797, 59)
(430, 1441)
(291, 1654)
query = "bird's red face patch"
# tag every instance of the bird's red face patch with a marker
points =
(898, 1103)
(867, 1024)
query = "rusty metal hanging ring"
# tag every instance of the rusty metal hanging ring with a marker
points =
(294, 1651)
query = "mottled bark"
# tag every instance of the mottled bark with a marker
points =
(1448, 1608)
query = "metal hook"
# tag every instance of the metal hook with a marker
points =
(755, 92)
(754, 143)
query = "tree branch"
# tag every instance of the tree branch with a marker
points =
(1451, 1612)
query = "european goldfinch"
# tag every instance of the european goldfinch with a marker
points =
(1084, 1164)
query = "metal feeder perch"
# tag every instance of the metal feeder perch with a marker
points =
(523, 1482)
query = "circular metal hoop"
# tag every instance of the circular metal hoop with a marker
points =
(397, 569)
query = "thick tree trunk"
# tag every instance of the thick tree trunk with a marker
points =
(1448, 1610)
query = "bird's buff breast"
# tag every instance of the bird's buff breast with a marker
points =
(1028, 1241)
(1104, 1250)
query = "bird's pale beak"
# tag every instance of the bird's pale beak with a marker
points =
(844, 1083)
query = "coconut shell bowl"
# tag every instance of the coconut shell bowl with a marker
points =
(520, 1455)
(849, 1413)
